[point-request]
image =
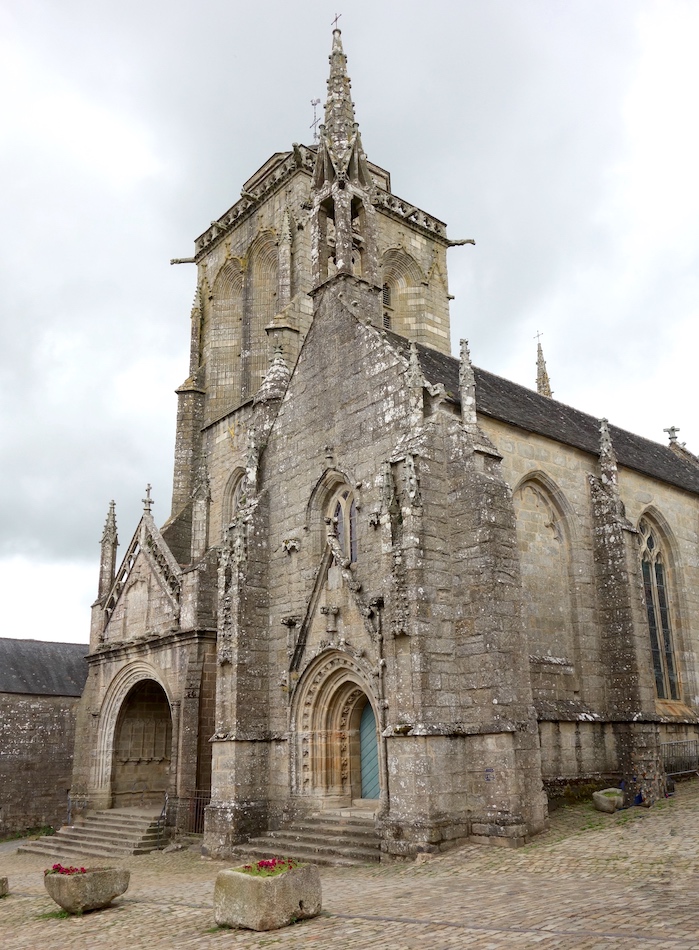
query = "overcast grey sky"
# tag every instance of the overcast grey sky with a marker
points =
(561, 136)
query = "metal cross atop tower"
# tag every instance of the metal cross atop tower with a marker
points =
(334, 22)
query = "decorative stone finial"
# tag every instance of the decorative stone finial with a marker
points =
(607, 457)
(416, 383)
(285, 229)
(109, 545)
(276, 379)
(415, 374)
(672, 434)
(543, 384)
(109, 535)
(147, 501)
(467, 385)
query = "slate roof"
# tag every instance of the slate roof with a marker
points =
(509, 402)
(38, 668)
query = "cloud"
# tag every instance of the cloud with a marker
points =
(557, 135)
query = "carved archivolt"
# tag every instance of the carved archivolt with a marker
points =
(326, 707)
(118, 690)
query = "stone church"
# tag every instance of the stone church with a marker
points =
(389, 579)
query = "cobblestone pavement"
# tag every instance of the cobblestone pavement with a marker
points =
(591, 881)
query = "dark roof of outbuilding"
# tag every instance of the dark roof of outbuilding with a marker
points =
(509, 402)
(42, 669)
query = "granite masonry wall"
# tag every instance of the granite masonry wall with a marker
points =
(37, 735)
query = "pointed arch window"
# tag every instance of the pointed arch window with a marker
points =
(343, 515)
(657, 600)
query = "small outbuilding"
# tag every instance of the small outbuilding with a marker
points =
(40, 685)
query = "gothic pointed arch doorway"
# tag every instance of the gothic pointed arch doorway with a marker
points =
(337, 740)
(142, 747)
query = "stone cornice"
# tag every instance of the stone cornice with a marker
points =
(302, 159)
(114, 651)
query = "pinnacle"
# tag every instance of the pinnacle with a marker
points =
(110, 526)
(543, 383)
(276, 380)
(340, 124)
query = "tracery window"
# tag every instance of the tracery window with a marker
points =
(343, 514)
(657, 599)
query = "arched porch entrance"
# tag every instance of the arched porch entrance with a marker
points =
(337, 738)
(142, 747)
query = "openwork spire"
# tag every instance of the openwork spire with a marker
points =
(344, 227)
(340, 128)
(543, 383)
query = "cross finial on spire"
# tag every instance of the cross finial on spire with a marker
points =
(672, 433)
(334, 22)
(148, 501)
(543, 383)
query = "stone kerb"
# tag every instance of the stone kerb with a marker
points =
(266, 903)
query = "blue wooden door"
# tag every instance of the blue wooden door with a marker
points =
(369, 753)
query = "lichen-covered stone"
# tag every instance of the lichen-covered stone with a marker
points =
(367, 524)
(608, 800)
(266, 903)
(78, 893)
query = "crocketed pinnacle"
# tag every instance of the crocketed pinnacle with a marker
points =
(339, 128)
(276, 380)
(109, 535)
(543, 384)
(607, 456)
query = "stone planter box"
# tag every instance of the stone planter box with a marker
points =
(266, 903)
(96, 888)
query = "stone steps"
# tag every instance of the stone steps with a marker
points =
(325, 839)
(106, 834)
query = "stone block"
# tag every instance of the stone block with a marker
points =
(608, 800)
(96, 888)
(4, 887)
(266, 903)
